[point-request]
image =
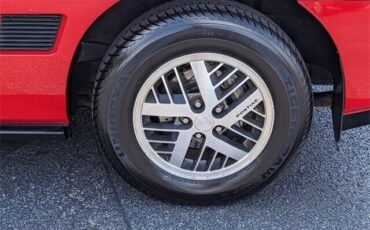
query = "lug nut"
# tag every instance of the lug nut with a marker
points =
(198, 135)
(185, 120)
(218, 129)
(197, 103)
(218, 109)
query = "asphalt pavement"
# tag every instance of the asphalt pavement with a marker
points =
(69, 184)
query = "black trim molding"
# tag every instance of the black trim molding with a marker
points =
(22, 131)
(28, 32)
(356, 120)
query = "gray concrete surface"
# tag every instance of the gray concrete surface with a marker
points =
(69, 184)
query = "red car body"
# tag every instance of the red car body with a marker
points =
(33, 84)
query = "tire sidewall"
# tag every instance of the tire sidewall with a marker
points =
(136, 63)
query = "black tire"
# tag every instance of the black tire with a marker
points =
(184, 27)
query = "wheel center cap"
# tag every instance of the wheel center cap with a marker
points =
(203, 123)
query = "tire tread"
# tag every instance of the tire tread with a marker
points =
(166, 13)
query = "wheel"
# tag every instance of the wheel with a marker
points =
(201, 101)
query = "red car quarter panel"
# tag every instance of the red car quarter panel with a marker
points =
(33, 83)
(348, 23)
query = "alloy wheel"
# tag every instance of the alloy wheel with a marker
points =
(203, 116)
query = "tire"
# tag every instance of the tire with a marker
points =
(182, 30)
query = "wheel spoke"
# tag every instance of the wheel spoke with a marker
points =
(251, 123)
(258, 113)
(216, 68)
(200, 157)
(243, 108)
(155, 95)
(244, 134)
(181, 85)
(204, 116)
(224, 147)
(181, 147)
(212, 161)
(227, 77)
(204, 84)
(167, 110)
(167, 89)
(235, 88)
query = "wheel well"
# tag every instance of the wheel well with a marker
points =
(319, 51)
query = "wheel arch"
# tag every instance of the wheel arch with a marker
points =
(93, 45)
(319, 51)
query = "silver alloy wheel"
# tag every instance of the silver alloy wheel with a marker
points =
(203, 116)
